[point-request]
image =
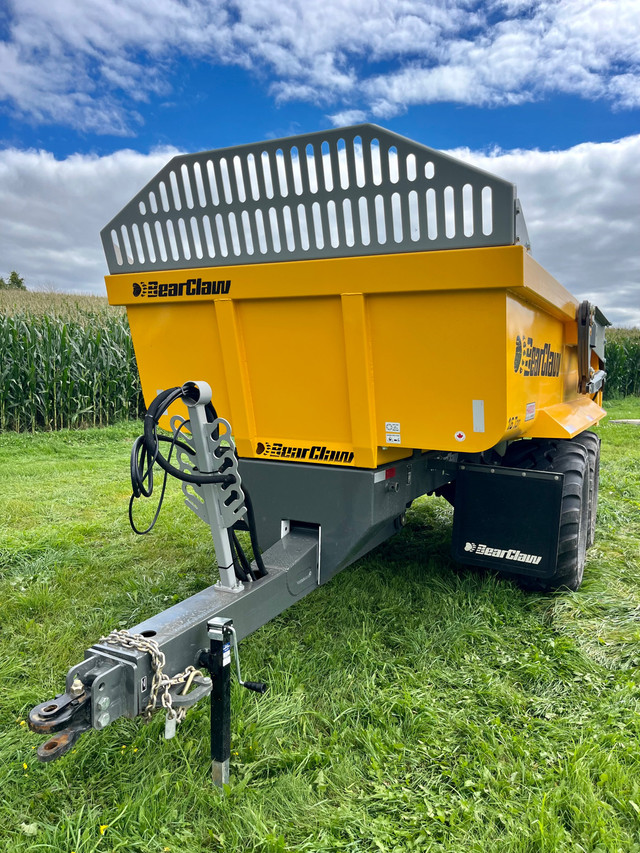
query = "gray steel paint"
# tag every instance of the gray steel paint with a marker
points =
(353, 191)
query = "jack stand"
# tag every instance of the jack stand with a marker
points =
(218, 662)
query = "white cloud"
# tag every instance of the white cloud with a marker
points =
(582, 212)
(52, 211)
(581, 207)
(88, 65)
(590, 49)
(347, 117)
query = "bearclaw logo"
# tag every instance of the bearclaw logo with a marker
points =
(317, 453)
(530, 360)
(190, 287)
(502, 553)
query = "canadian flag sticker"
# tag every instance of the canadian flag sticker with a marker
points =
(460, 436)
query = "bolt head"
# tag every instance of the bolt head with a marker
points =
(77, 687)
(103, 720)
(103, 703)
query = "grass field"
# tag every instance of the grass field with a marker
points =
(413, 705)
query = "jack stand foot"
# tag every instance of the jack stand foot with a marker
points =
(220, 773)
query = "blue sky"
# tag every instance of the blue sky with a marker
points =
(95, 96)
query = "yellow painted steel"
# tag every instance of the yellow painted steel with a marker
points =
(359, 361)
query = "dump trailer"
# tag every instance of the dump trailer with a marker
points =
(328, 327)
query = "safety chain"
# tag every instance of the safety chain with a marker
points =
(160, 681)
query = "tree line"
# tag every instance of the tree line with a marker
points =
(14, 282)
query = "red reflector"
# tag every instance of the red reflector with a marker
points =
(389, 473)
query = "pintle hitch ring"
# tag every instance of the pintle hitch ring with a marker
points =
(68, 716)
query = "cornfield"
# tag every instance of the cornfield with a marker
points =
(622, 352)
(71, 366)
(68, 361)
(64, 306)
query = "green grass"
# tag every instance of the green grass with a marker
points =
(413, 705)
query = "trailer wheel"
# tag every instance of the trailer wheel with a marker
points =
(591, 443)
(571, 459)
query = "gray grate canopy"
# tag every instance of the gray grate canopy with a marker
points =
(358, 190)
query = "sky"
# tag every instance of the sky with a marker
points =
(96, 96)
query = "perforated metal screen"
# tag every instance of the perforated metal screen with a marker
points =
(358, 190)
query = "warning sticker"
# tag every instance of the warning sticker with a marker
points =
(226, 654)
(530, 412)
(392, 426)
(393, 438)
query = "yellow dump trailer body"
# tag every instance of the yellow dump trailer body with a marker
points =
(359, 361)
(350, 296)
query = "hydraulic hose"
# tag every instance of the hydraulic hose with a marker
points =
(159, 405)
(253, 534)
(240, 561)
(146, 452)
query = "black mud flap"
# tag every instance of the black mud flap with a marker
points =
(507, 519)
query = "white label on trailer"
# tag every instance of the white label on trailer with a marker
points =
(460, 436)
(530, 412)
(393, 438)
(379, 476)
(478, 415)
(226, 654)
(392, 426)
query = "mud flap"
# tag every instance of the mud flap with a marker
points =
(507, 519)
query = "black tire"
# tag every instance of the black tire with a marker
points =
(571, 459)
(591, 443)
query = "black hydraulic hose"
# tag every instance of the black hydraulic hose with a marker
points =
(243, 557)
(162, 402)
(138, 475)
(240, 562)
(253, 534)
(142, 464)
(146, 452)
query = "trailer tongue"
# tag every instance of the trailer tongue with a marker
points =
(340, 322)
